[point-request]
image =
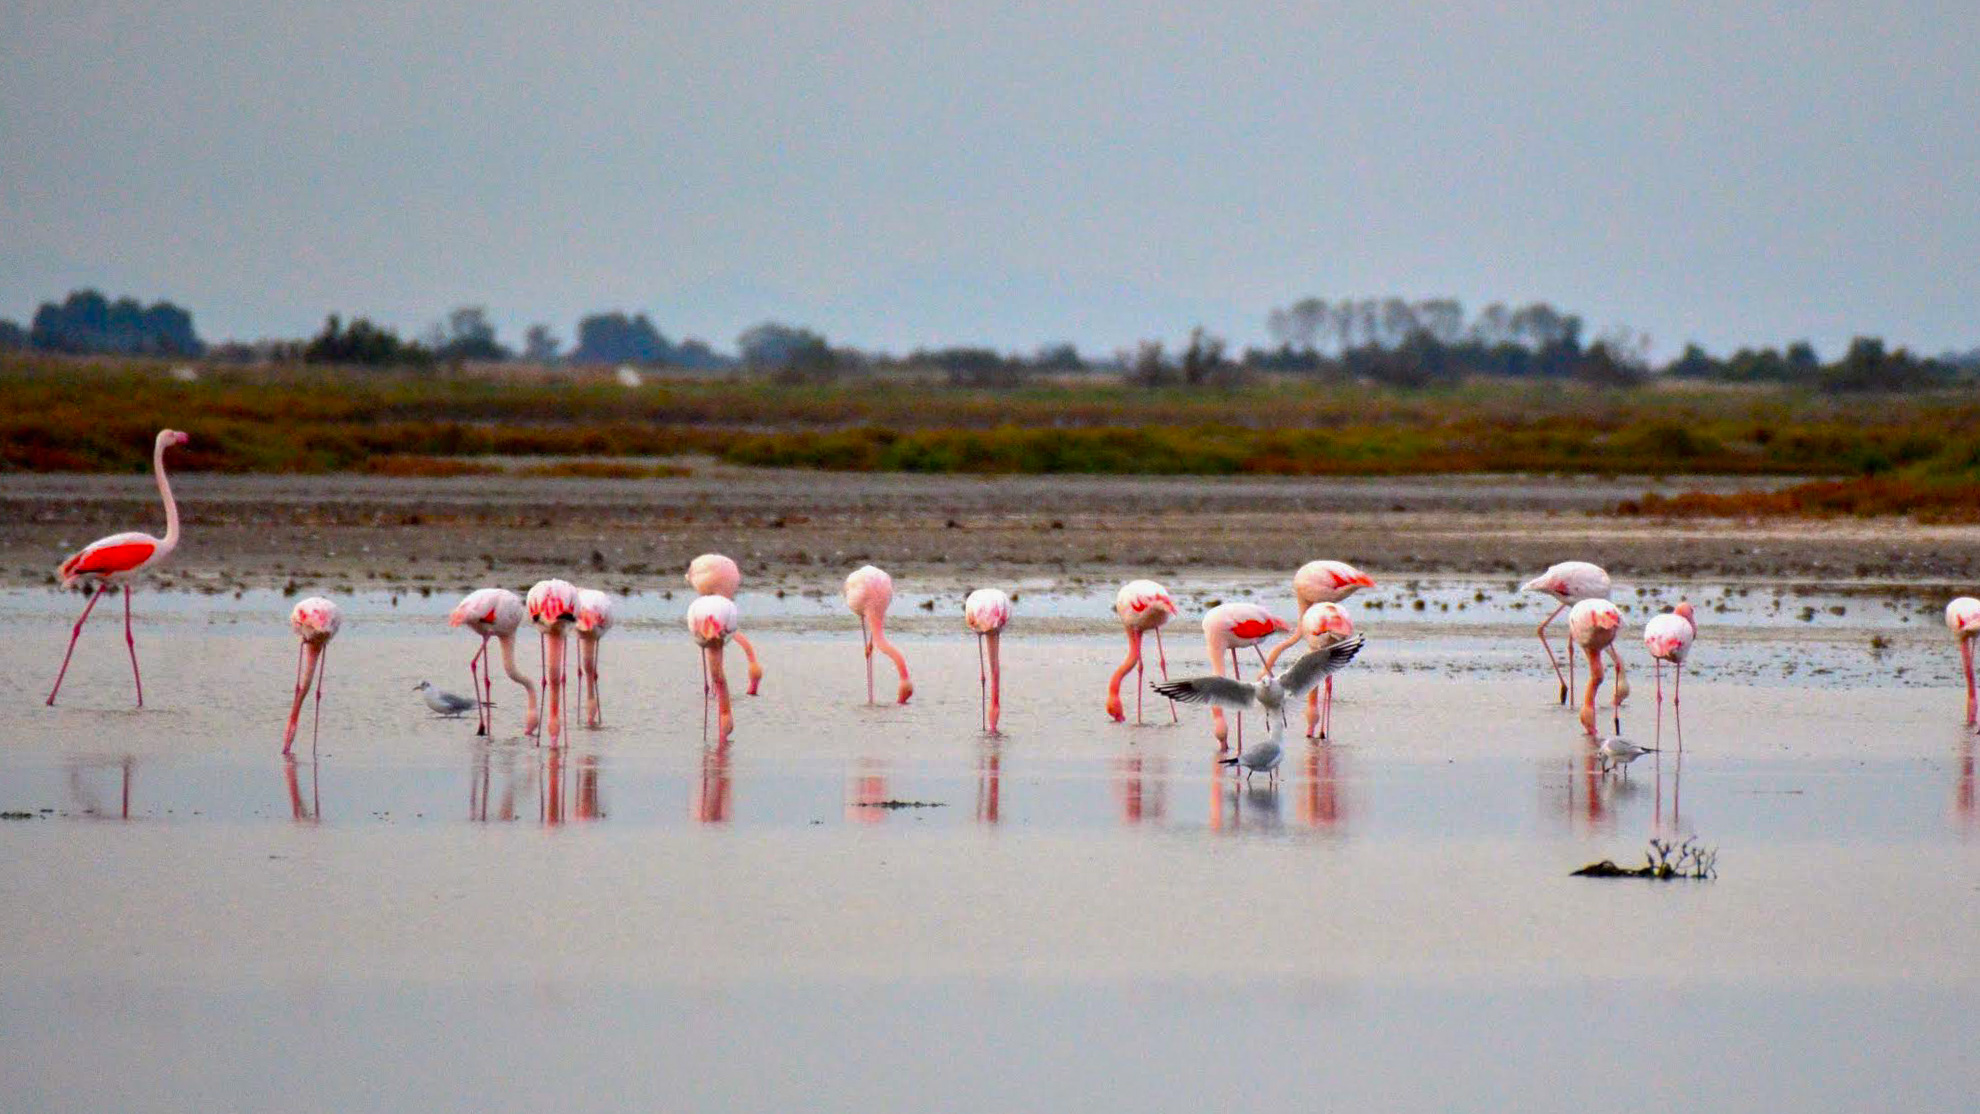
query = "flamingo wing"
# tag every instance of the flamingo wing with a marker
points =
(1307, 673)
(117, 553)
(1221, 691)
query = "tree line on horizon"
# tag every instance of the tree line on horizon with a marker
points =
(1391, 341)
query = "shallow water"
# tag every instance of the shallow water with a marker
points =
(1079, 913)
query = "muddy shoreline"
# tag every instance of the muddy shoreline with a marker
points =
(794, 528)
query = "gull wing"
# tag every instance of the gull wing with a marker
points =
(455, 703)
(1221, 691)
(1307, 673)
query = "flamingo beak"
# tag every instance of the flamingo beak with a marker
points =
(1365, 581)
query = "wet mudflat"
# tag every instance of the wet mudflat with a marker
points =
(1086, 913)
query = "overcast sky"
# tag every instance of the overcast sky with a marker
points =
(915, 173)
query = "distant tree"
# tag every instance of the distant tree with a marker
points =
(1603, 366)
(13, 338)
(88, 323)
(1802, 362)
(1694, 363)
(540, 345)
(614, 338)
(790, 351)
(466, 334)
(1058, 357)
(1147, 365)
(362, 342)
(698, 355)
(1868, 367)
(1204, 363)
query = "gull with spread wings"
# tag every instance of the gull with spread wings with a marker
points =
(1269, 692)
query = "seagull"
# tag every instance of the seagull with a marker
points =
(1618, 751)
(1268, 692)
(443, 703)
(1263, 756)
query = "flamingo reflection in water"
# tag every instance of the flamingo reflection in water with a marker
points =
(481, 806)
(1320, 793)
(302, 813)
(866, 792)
(715, 794)
(84, 795)
(1231, 797)
(989, 781)
(560, 801)
(1141, 783)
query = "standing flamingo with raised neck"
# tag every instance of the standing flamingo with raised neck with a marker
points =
(594, 618)
(315, 621)
(1963, 619)
(712, 574)
(1668, 637)
(552, 607)
(1320, 582)
(494, 613)
(1226, 628)
(1593, 626)
(1571, 582)
(1143, 606)
(115, 561)
(986, 612)
(712, 621)
(868, 592)
(1322, 626)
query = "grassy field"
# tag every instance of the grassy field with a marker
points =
(1907, 454)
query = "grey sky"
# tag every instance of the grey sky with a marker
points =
(899, 174)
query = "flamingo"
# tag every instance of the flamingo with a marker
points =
(712, 621)
(1321, 625)
(868, 592)
(1569, 583)
(1268, 692)
(494, 613)
(594, 618)
(987, 611)
(1963, 619)
(712, 574)
(1143, 606)
(1225, 628)
(1593, 626)
(1321, 582)
(552, 607)
(116, 560)
(1669, 639)
(315, 620)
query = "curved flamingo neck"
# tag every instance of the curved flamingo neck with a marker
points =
(1127, 665)
(165, 492)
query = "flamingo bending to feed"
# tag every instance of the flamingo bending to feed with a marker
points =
(712, 574)
(115, 561)
(1143, 606)
(1668, 638)
(868, 592)
(552, 607)
(1322, 625)
(1569, 583)
(1321, 582)
(1225, 628)
(712, 621)
(1268, 692)
(1963, 619)
(594, 618)
(1593, 626)
(315, 620)
(494, 613)
(986, 612)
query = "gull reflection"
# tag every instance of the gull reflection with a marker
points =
(303, 812)
(84, 795)
(989, 780)
(1320, 791)
(1142, 786)
(1238, 805)
(715, 792)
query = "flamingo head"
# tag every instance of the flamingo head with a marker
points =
(1683, 611)
(167, 438)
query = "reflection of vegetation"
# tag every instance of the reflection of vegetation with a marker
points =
(1664, 860)
(308, 419)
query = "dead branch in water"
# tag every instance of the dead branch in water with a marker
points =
(1664, 860)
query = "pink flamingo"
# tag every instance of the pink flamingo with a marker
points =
(116, 560)
(1321, 582)
(1143, 606)
(1225, 628)
(712, 621)
(1963, 619)
(868, 592)
(494, 613)
(987, 611)
(1322, 625)
(712, 574)
(315, 620)
(552, 607)
(594, 618)
(1569, 583)
(1668, 638)
(1593, 626)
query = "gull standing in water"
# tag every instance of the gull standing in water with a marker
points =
(1268, 692)
(443, 703)
(1618, 752)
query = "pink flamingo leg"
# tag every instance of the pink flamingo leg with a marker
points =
(1677, 718)
(474, 682)
(866, 636)
(1566, 679)
(982, 689)
(316, 725)
(1313, 715)
(996, 684)
(543, 674)
(306, 656)
(1588, 701)
(1162, 656)
(1240, 716)
(131, 643)
(1966, 659)
(755, 669)
(706, 692)
(726, 720)
(1658, 667)
(73, 635)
